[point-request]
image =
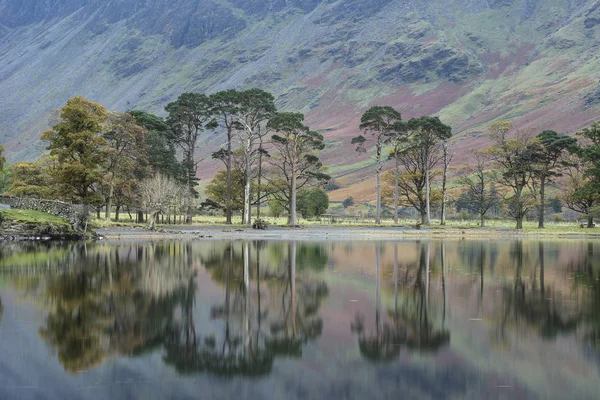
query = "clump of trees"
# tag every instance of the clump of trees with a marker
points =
(144, 163)
(511, 176)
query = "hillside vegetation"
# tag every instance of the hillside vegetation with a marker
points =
(470, 62)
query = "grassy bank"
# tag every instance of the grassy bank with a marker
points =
(30, 216)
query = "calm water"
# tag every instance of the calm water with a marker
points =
(288, 320)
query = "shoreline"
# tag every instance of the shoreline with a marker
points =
(327, 233)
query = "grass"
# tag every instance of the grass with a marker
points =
(31, 216)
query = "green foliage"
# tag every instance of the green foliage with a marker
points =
(159, 147)
(2, 158)
(217, 189)
(188, 117)
(4, 171)
(31, 179)
(79, 148)
(381, 123)
(312, 202)
(590, 151)
(275, 208)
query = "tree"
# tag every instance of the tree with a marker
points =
(551, 153)
(590, 151)
(225, 107)
(411, 186)
(125, 157)
(295, 161)
(580, 191)
(158, 193)
(398, 140)
(188, 117)
(3, 170)
(159, 146)
(515, 158)
(217, 189)
(31, 179)
(256, 107)
(427, 133)
(2, 158)
(479, 191)
(312, 202)
(79, 148)
(379, 123)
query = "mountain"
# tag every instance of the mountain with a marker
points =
(469, 61)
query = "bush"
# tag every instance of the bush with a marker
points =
(332, 185)
(312, 202)
(348, 202)
(275, 208)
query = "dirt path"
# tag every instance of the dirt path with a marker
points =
(317, 233)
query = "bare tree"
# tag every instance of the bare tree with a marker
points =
(479, 187)
(515, 156)
(159, 193)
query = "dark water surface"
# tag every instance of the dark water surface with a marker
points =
(298, 320)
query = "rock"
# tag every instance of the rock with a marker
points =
(591, 22)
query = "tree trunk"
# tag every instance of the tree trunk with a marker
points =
(140, 217)
(228, 165)
(542, 202)
(259, 181)
(482, 222)
(378, 202)
(117, 211)
(423, 218)
(109, 202)
(427, 205)
(590, 223)
(396, 178)
(443, 217)
(293, 220)
(519, 222)
(247, 199)
(152, 220)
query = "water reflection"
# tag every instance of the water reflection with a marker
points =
(259, 309)
(410, 325)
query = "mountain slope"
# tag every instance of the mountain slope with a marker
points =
(471, 62)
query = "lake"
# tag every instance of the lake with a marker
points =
(300, 320)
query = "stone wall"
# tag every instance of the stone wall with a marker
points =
(73, 213)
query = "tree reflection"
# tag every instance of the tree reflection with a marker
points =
(587, 271)
(109, 302)
(408, 326)
(529, 303)
(286, 321)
